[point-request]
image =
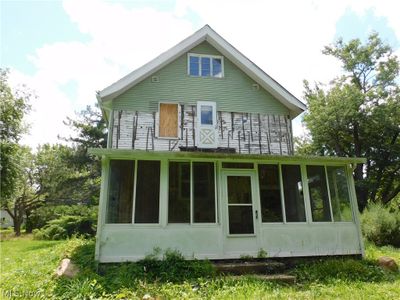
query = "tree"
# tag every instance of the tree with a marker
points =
(358, 114)
(13, 107)
(91, 132)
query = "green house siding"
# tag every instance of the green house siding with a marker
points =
(234, 92)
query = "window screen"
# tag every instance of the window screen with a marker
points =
(293, 193)
(319, 199)
(147, 200)
(203, 192)
(270, 193)
(120, 193)
(179, 192)
(339, 191)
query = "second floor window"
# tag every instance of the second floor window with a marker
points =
(205, 65)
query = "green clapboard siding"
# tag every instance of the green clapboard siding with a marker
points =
(233, 93)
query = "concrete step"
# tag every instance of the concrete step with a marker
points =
(281, 278)
(250, 267)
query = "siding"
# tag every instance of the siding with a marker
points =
(233, 93)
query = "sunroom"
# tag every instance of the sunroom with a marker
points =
(220, 206)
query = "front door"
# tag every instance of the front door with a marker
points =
(241, 212)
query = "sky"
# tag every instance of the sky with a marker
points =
(65, 51)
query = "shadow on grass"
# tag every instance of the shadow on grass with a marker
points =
(42, 245)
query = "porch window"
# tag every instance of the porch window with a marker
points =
(147, 192)
(293, 193)
(203, 192)
(179, 192)
(168, 120)
(120, 193)
(319, 199)
(191, 188)
(270, 193)
(339, 192)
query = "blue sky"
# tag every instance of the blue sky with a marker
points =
(66, 50)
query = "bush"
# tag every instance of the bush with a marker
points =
(66, 226)
(381, 225)
(43, 215)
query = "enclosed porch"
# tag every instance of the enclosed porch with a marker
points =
(221, 206)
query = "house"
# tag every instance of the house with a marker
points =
(5, 219)
(200, 159)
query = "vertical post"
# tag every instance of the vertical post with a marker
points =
(259, 133)
(101, 219)
(288, 138)
(193, 128)
(251, 126)
(182, 118)
(239, 141)
(249, 141)
(119, 127)
(269, 136)
(244, 133)
(220, 124)
(280, 134)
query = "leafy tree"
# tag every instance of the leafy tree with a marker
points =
(358, 114)
(91, 132)
(13, 107)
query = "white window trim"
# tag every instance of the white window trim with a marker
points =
(157, 129)
(211, 65)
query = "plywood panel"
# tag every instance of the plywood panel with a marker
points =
(168, 120)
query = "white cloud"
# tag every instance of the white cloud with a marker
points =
(285, 38)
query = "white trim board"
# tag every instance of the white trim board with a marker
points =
(206, 33)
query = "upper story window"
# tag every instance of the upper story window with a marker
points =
(205, 65)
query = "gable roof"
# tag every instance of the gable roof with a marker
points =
(206, 34)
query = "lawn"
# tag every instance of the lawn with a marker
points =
(27, 268)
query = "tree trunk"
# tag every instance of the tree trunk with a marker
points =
(17, 226)
(28, 223)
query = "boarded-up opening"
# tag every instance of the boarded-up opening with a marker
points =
(168, 120)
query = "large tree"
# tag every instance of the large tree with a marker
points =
(13, 107)
(90, 132)
(358, 114)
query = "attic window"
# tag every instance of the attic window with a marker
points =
(205, 65)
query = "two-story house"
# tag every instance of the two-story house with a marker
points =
(200, 159)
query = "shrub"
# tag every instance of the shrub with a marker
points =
(43, 215)
(66, 226)
(381, 225)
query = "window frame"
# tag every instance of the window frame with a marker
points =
(200, 56)
(191, 202)
(158, 127)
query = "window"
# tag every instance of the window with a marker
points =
(270, 193)
(147, 192)
(206, 115)
(179, 192)
(293, 193)
(240, 208)
(203, 192)
(168, 120)
(319, 199)
(339, 192)
(205, 65)
(120, 193)
(191, 187)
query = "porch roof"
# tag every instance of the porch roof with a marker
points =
(129, 154)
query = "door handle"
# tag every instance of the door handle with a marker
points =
(257, 214)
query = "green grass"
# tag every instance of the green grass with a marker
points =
(27, 268)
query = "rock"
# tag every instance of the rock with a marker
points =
(67, 269)
(388, 263)
(147, 297)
